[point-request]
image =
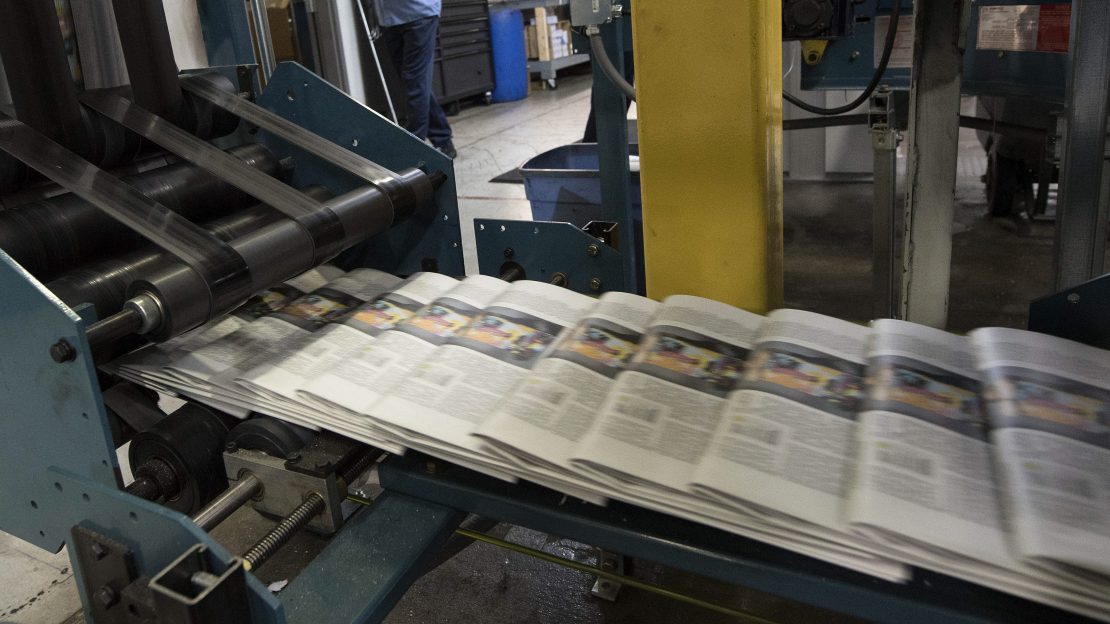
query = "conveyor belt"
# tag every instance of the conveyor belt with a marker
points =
(221, 268)
(52, 236)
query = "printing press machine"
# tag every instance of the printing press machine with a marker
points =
(103, 191)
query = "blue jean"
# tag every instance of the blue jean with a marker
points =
(413, 47)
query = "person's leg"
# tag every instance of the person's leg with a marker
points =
(420, 47)
(439, 130)
(394, 39)
(416, 70)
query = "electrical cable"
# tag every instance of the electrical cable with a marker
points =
(597, 50)
(888, 48)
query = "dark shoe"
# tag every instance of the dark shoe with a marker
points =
(448, 149)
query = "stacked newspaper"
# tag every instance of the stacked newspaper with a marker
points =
(984, 457)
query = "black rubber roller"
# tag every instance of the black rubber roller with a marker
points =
(179, 461)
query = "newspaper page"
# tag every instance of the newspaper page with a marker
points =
(145, 365)
(923, 468)
(660, 416)
(786, 441)
(458, 386)
(925, 483)
(1048, 404)
(279, 379)
(210, 370)
(346, 391)
(540, 424)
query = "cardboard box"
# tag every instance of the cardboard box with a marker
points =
(543, 41)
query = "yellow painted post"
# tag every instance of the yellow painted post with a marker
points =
(709, 108)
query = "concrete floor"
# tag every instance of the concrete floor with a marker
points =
(997, 269)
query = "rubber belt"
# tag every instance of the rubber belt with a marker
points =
(220, 266)
(323, 226)
(202, 86)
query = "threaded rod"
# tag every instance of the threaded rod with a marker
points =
(283, 531)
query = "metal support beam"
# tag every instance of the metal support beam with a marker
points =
(711, 165)
(884, 140)
(931, 173)
(389, 544)
(1081, 221)
(611, 111)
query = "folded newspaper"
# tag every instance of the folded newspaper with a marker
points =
(985, 457)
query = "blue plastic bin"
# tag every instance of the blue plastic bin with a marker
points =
(563, 184)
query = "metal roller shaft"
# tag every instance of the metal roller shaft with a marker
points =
(52, 236)
(272, 254)
(227, 503)
(105, 284)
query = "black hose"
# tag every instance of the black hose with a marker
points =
(888, 47)
(597, 49)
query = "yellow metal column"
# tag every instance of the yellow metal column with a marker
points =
(709, 105)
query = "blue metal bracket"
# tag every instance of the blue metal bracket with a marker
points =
(53, 415)
(156, 535)
(316, 105)
(544, 248)
(928, 597)
(366, 569)
(1079, 313)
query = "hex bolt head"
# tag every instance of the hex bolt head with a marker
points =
(592, 250)
(106, 596)
(509, 253)
(62, 351)
(99, 551)
(595, 283)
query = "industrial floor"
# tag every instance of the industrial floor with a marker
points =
(998, 266)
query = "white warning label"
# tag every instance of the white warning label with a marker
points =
(902, 53)
(1024, 28)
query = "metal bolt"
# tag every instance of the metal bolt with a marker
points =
(107, 596)
(431, 467)
(595, 283)
(293, 457)
(1073, 298)
(62, 351)
(297, 519)
(231, 447)
(592, 250)
(99, 551)
(509, 253)
(855, 55)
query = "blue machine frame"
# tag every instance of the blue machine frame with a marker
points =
(543, 248)
(55, 431)
(847, 63)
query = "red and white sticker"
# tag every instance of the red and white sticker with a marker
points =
(1024, 28)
